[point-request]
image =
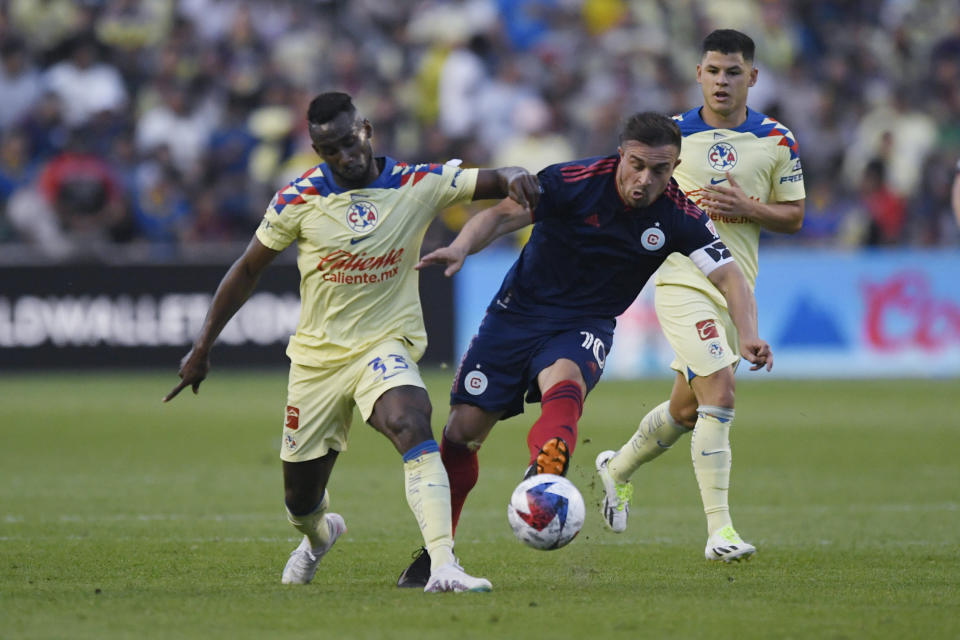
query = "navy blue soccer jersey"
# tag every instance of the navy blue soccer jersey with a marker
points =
(590, 254)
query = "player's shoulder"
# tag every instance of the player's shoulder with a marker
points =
(398, 174)
(312, 183)
(761, 124)
(677, 202)
(769, 129)
(691, 122)
(579, 173)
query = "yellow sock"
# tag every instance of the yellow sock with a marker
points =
(710, 449)
(657, 431)
(314, 524)
(428, 494)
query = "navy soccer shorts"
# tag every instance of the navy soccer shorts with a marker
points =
(504, 358)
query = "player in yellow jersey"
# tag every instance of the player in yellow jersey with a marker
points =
(742, 168)
(358, 222)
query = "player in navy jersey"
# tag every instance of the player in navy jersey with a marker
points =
(601, 228)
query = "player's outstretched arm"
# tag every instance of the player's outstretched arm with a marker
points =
(481, 229)
(515, 183)
(780, 217)
(233, 291)
(730, 281)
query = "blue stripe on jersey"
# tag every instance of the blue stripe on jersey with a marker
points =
(427, 446)
(756, 123)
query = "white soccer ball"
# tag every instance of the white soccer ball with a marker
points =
(546, 511)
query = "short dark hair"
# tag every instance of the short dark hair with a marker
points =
(327, 106)
(652, 129)
(729, 41)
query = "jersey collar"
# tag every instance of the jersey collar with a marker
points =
(382, 180)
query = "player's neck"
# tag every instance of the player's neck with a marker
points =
(376, 168)
(719, 121)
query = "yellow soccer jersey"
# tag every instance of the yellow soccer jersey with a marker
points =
(356, 250)
(761, 155)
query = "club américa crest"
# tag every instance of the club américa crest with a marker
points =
(362, 216)
(722, 156)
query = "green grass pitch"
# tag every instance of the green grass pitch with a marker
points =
(121, 517)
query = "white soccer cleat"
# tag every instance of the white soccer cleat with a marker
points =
(452, 577)
(302, 565)
(616, 497)
(727, 545)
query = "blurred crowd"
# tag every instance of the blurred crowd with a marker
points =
(163, 125)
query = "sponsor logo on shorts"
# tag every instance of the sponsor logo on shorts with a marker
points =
(652, 239)
(475, 383)
(716, 349)
(290, 442)
(293, 418)
(707, 329)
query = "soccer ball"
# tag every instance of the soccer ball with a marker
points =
(546, 511)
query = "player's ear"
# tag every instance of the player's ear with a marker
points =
(368, 128)
(620, 151)
(753, 76)
(699, 69)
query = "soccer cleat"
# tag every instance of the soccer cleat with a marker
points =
(553, 457)
(452, 577)
(302, 565)
(418, 573)
(728, 546)
(616, 497)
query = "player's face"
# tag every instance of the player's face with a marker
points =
(344, 144)
(644, 171)
(725, 79)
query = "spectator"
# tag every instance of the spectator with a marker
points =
(75, 207)
(161, 208)
(463, 80)
(180, 125)
(17, 170)
(20, 85)
(45, 128)
(85, 85)
(955, 194)
(886, 210)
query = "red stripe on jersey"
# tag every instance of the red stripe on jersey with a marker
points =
(575, 169)
(580, 172)
(680, 199)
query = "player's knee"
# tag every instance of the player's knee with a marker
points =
(302, 500)
(685, 416)
(408, 428)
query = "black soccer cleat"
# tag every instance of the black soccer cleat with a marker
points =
(418, 573)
